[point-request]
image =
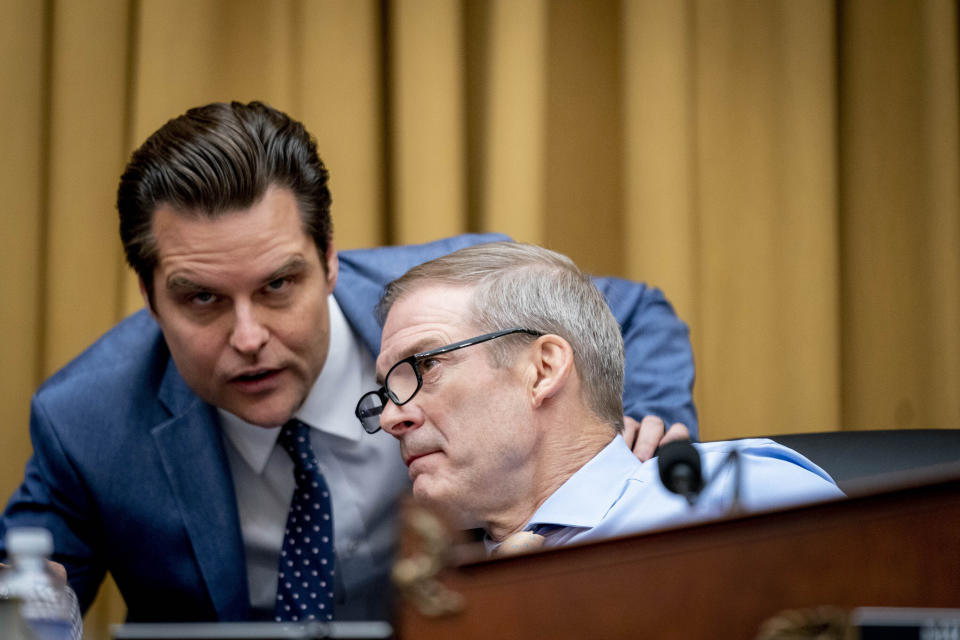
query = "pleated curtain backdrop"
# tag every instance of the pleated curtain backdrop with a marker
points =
(787, 172)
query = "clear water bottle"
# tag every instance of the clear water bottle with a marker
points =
(48, 607)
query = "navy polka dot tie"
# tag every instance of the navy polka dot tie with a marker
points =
(305, 580)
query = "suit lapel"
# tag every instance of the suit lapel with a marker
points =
(197, 468)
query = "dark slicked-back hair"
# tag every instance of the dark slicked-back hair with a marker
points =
(216, 159)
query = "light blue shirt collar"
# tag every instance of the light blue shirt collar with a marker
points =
(586, 497)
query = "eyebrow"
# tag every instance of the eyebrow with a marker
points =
(426, 344)
(182, 284)
(177, 284)
(422, 345)
(296, 264)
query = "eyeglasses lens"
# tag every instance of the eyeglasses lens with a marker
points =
(402, 382)
(368, 410)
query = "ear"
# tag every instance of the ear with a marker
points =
(553, 367)
(333, 266)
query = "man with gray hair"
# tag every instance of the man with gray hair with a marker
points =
(519, 434)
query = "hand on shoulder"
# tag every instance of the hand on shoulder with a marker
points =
(646, 436)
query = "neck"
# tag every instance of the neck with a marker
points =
(566, 446)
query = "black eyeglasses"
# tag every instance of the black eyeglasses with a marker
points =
(405, 379)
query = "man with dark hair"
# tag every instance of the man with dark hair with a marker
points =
(502, 373)
(204, 451)
(217, 159)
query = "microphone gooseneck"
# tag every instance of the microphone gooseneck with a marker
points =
(681, 472)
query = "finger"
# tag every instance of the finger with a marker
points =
(59, 571)
(677, 431)
(630, 430)
(648, 439)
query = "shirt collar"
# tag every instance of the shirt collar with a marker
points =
(584, 499)
(328, 407)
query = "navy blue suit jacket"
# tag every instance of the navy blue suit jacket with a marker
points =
(130, 473)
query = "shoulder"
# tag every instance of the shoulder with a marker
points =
(365, 272)
(771, 475)
(760, 452)
(123, 367)
(384, 264)
(627, 292)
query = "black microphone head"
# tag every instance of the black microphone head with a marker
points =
(680, 470)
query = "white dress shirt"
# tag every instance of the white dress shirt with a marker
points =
(365, 473)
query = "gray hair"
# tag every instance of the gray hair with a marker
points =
(522, 285)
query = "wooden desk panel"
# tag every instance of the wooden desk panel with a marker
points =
(719, 579)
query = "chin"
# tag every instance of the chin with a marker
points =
(270, 407)
(451, 512)
(424, 493)
(432, 497)
(263, 417)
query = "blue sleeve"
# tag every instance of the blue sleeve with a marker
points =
(54, 497)
(365, 272)
(659, 359)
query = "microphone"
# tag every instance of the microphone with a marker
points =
(680, 470)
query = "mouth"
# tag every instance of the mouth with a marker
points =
(409, 460)
(255, 379)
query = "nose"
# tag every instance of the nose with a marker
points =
(399, 420)
(249, 333)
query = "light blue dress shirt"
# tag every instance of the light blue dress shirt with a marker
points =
(615, 494)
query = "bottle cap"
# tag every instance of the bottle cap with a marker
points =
(29, 540)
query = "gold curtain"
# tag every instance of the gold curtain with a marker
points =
(787, 172)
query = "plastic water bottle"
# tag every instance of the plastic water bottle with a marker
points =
(46, 606)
